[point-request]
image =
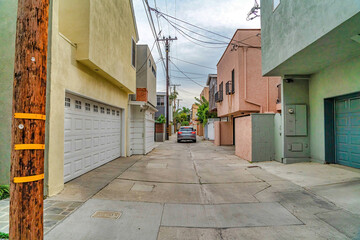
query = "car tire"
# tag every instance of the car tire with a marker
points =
(194, 141)
(178, 141)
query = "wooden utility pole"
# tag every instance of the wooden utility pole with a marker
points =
(28, 124)
(167, 50)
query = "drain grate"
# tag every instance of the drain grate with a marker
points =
(107, 214)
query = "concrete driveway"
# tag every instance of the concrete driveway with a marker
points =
(201, 191)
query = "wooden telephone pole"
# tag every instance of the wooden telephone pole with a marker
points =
(167, 49)
(28, 123)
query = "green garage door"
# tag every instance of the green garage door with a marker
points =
(347, 131)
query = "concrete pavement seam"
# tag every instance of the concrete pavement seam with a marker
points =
(162, 214)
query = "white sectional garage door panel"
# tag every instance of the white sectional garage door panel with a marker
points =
(92, 135)
(150, 129)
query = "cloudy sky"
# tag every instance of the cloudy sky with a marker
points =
(219, 16)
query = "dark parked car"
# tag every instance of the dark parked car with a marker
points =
(186, 133)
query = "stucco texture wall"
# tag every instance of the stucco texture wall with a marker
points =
(217, 133)
(253, 92)
(8, 13)
(98, 27)
(243, 138)
(69, 75)
(145, 78)
(294, 25)
(333, 81)
(223, 133)
(205, 93)
(296, 92)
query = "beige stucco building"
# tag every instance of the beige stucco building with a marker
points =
(92, 70)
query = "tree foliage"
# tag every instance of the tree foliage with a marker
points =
(203, 113)
(182, 116)
(4, 191)
(173, 95)
(161, 119)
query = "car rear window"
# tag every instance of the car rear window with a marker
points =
(186, 129)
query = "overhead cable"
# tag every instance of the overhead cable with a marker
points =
(193, 63)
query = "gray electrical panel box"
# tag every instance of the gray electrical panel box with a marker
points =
(296, 120)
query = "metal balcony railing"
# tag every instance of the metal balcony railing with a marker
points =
(218, 96)
(228, 88)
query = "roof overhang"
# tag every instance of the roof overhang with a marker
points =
(143, 105)
(209, 78)
(336, 46)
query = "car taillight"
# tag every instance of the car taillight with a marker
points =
(193, 132)
(179, 132)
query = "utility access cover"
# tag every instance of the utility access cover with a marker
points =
(142, 187)
(107, 214)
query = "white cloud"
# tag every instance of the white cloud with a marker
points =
(223, 17)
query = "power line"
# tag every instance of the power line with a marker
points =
(153, 30)
(202, 35)
(191, 73)
(167, 15)
(186, 75)
(177, 77)
(147, 57)
(194, 63)
(196, 38)
(187, 36)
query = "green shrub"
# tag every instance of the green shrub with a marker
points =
(4, 191)
(185, 123)
(4, 235)
(161, 119)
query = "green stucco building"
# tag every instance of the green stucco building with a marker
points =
(315, 46)
(8, 13)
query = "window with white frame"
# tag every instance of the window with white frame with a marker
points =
(133, 52)
(102, 109)
(67, 102)
(276, 4)
(107, 111)
(96, 108)
(87, 106)
(160, 100)
(77, 104)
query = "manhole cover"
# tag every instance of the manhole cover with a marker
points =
(142, 187)
(106, 214)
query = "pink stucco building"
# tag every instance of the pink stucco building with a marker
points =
(242, 90)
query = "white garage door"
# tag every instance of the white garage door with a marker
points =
(150, 129)
(92, 135)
